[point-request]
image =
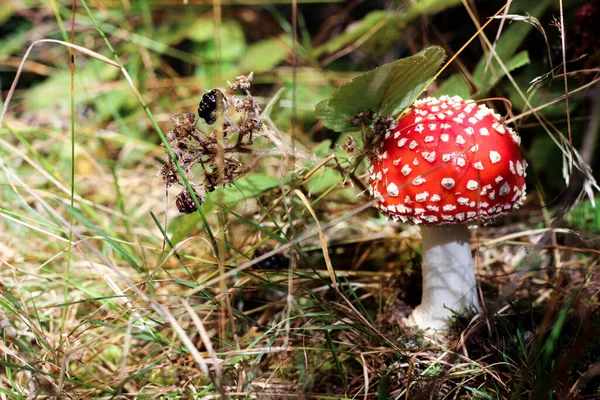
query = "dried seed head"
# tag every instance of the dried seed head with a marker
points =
(362, 118)
(242, 82)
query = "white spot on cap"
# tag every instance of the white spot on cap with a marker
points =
(429, 156)
(449, 207)
(428, 139)
(419, 128)
(499, 128)
(478, 165)
(498, 179)
(519, 168)
(418, 180)
(435, 198)
(472, 185)
(406, 170)
(469, 130)
(432, 127)
(415, 161)
(484, 132)
(446, 157)
(397, 135)
(472, 120)
(433, 208)
(511, 166)
(471, 214)
(448, 183)
(432, 219)
(419, 210)
(407, 200)
(412, 144)
(391, 208)
(505, 189)
(421, 197)
(393, 190)
(474, 148)
(444, 137)
(402, 142)
(397, 162)
(495, 157)
(460, 140)
(460, 161)
(463, 201)
(441, 116)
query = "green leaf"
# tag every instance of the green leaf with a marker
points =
(456, 85)
(505, 48)
(323, 180)
(230, 34)
(519, 60)
(246, 188)
(322, 149)
(264, 55)
(387, 90)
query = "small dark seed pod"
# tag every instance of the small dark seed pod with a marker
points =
(185, 203)
(208, 106)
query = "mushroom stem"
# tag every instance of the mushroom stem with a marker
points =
(448, 276)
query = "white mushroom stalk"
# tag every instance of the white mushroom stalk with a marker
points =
(448, 163)
(449, 284)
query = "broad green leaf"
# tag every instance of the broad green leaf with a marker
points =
(519, 60)
(89, 77)
(387, 90)
(231, 38)
(246, 188)
(264, 55)
(456, 85)
(322, 149)
(323, 180)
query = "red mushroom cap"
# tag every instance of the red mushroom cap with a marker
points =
(448, 161)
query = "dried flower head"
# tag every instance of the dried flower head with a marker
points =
(218, 152)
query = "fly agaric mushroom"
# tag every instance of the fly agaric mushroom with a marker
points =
(449, 163)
